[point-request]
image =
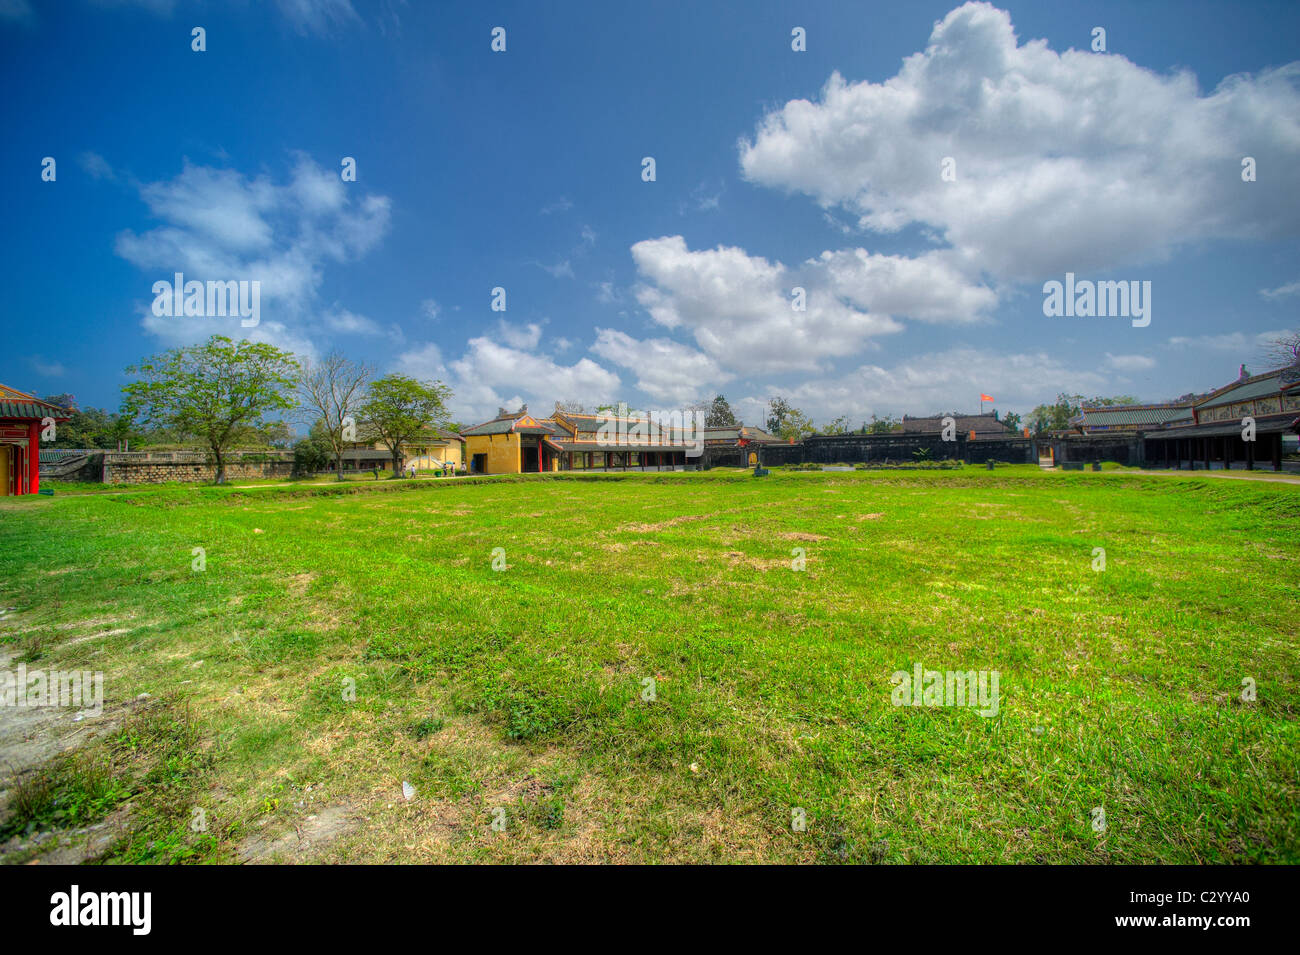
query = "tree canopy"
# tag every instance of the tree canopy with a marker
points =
(220, 391)
(719, 414)
(398, 408)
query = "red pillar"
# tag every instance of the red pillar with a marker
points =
(33, 457)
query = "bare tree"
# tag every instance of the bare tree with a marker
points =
(1281, 351)
(333, 390)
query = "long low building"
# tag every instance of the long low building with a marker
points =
(519, 443)
(1248, 423)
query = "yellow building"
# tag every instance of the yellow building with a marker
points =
(512, 444)
(429, 452)
(434, 449)
(521, 444)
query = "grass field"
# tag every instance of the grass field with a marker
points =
(519, 694)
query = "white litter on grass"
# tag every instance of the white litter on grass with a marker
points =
(408, 791)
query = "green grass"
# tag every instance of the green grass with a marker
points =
(344, 640)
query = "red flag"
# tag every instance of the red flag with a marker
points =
(986, 397)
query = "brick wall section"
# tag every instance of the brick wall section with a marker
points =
(159, 467)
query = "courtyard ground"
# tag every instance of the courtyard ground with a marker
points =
(348, 678)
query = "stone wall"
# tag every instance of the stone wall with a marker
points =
(867, 448)
(159, 467)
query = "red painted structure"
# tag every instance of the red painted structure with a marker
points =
(22, 419)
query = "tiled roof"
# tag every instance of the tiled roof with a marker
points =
(520, 424)
(978, 423)
(19, 404)
(734, 432)
(1134, 414)
(1257, 386)
(592, 424)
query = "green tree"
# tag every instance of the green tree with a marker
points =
(91, 427)
(220, 391)
(1056, 416)
(1012, 421)
(884, 425)
(398, 408)
(312, 453)
(719, 414)
(778, 409)
(795, 425)
(839, 426)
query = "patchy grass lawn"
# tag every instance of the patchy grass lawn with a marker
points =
(343, 641)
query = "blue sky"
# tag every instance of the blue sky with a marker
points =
(774, 169)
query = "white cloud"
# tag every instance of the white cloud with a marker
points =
(560, 270)
(492, 374)
(950, 380)
(1064, 161)
(928, 287)
(740, 308)
(1129, 362)
(345, 322)
(1282, 291)
(220, 225)
(666, 370)
(525, 337)
(1228, 341)
(562, 204)
(96, 166)
(318, 16)
(46, 369)
(430, 308)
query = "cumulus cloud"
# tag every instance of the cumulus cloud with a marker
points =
(740, 308)
(219, 225)
(1064, 161)
(506, 369)
(928, 287)
(519, 336)
(667, 371)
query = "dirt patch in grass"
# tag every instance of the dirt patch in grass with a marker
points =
(664, 525)
(307, 838)
(297, 584)
(736, 558)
